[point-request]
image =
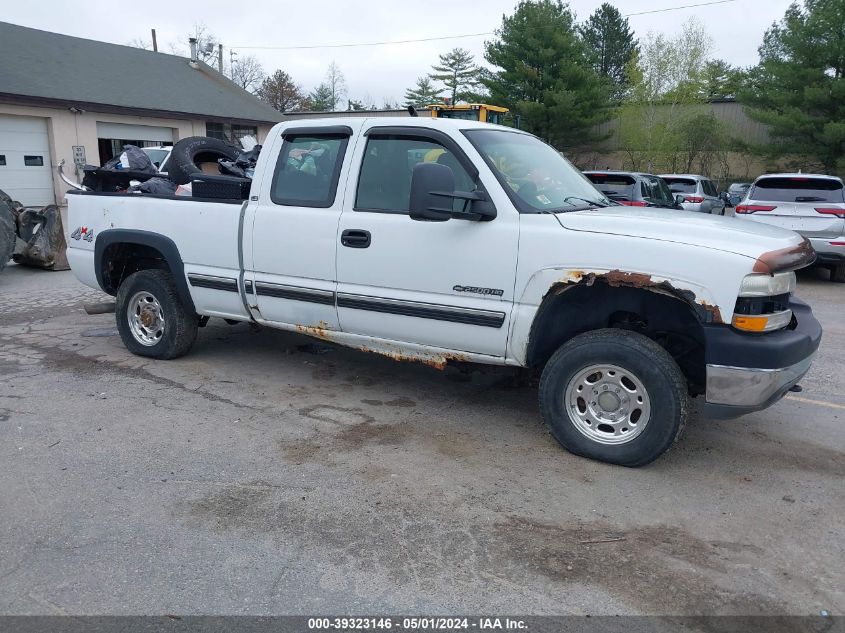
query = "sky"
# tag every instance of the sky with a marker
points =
(373, 73)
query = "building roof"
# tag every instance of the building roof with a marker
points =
(53, 69)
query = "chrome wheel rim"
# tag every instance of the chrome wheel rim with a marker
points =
(607, 404)
(146, 318)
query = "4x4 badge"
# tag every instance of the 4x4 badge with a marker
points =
(83, 233)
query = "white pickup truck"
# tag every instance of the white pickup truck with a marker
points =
(453, 241)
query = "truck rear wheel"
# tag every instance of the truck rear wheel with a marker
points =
(151, 318)
(615, 396)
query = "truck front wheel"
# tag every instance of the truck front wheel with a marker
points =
(151, 318)
(615, 396)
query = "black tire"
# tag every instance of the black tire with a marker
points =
(179, 329)
(188, 153)
(7, 232)
(664, 385)
(837, 273)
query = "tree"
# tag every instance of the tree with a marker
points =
(798, 88)
(140, 42)
(336, 83)
(457, 71)
(206, 44)
(423, 93)
(720, 80)
(610, 45)
(353, 105)
(664, 85)
(247, 72)
(321, 99)
(281, 92)
(542, 74)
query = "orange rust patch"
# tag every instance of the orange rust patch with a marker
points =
(437, 362)
(622, 278)
(321, 330)
(713, 311)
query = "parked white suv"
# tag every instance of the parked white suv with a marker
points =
(700, 194)
(444, 241)
(810, 204)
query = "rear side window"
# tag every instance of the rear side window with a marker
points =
(614, 185)
(798, 189)
(308, 170)
(385, 180)
(709, 188)
(681, 185)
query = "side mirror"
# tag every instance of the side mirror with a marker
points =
(433, 193)
(428, 182)
(679, 199)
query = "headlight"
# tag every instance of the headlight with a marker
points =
(763, 302)
(762, 285)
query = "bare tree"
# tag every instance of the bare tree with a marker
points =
(140, 42)
(206, 44)
(336, 83)
(247, 72)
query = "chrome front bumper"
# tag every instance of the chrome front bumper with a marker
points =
(735, 391)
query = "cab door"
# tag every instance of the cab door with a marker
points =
(291, 275)
(444, 284)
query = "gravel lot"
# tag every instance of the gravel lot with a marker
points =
(266, 473)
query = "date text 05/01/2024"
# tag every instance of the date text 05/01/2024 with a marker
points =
(416, 623)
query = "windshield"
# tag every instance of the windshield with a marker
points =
(681, 185)
(536, 177)
(156, 155)
(798, 189)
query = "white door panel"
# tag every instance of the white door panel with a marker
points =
(425, 282)
(294, 237)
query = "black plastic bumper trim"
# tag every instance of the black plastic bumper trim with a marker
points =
(772, 350)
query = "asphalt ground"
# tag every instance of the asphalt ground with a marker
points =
(268, 473)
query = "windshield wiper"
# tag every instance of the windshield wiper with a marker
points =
(594, 203)
(591, 204)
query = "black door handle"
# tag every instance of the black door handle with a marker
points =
(355, 238)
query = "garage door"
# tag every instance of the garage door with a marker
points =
(25, 172)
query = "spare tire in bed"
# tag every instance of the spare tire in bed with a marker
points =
(190, 152)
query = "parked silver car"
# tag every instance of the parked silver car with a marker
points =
(810, 204)
(700, 193)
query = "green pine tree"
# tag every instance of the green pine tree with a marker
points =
(798, 88)
(543, 74)
(422, 94)
(457, 71)
(321, 99)
(610, 45)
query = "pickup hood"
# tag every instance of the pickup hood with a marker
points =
(728, 234)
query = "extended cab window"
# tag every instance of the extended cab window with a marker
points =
(385, 180)
(308, 170)
(798, 189)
